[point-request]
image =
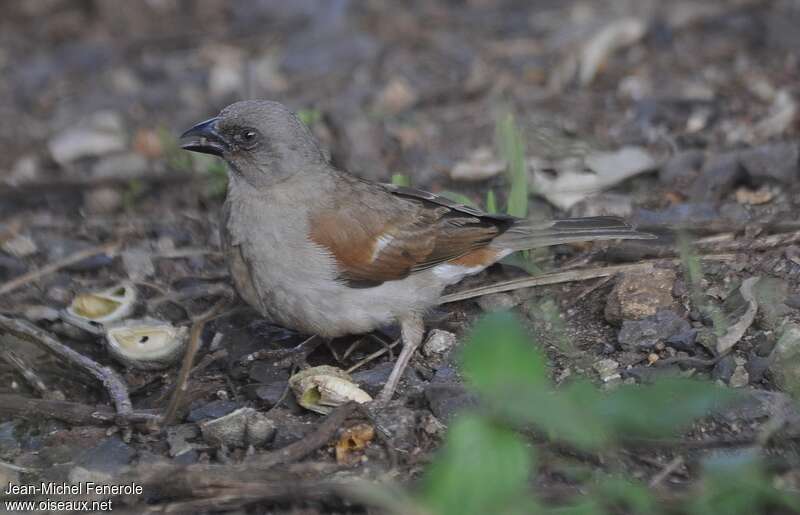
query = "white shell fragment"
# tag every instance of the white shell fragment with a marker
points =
(240, 428)
(323, 388)
(105, 306)
(146, 344)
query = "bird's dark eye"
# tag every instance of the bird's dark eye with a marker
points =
(246, 138)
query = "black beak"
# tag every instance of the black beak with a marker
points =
(205, 139)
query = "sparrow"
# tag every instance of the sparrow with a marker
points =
(315, 249)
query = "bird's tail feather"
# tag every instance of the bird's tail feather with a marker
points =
(525, 234)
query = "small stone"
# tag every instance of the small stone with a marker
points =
(497, 302)
(397, 96)
(138, 263)
(607, 369)
(724, 369)
(652, 358)
(682, 168)
(121, 165)
(102, 201)
(20, 246)
(26, 169)
(786, 357)
(373, 380)
(211, 410)
(177, 437)
(740, 377)
(448, 399)
(480, 165)
(438, 342)
(271, 393)
(638, 295)
(645, 334)
(105, 461)
(39, 313)
(100, 134)
(778, 161)
(239, 428)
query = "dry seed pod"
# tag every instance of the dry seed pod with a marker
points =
(146, 344)
(323, 388)
(90, 310)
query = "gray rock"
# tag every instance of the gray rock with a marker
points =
(240, 428)
(100, 134)
(122, 165)
(753, 404)
(400, 423)
(438, 342)
(110, 457)
(724, 369)
(719, 176)
(644, 334)
(271, 393)
(682, 168)
(9, 443)
(777, 161)
(213, 409)
(57, 247)
(607, 369)
(448, 399)
(177, 437)
(372, 380)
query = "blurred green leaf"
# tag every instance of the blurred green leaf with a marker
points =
(482, 468)
(736, 483)
(309, 116)
(661, 409)
(499, 355)
(458, 197)
(491, 202)
(398, 179)
(512, 148)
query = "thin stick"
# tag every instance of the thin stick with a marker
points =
(112, 382)
(195, 340)
(76, 413)
(664, 473)
(30, 375)
(302, 448)
(565, 277)
(22, 280)
(374, 355)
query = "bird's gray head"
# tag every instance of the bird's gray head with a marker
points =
(262, 141)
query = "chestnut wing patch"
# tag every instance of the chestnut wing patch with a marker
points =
(391, 244)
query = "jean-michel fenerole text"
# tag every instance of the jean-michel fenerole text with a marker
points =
(80, 488)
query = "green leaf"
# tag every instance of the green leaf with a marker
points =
(735, 484)
(499, 355)
(398, 179)
(309, 116)
(661, 409)
(482, 468)
(491, 202)
(458, 197)
(512, 149)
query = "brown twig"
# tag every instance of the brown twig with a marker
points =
(195, 339)
(30, 375)
(71, 412)
(302, 448)
(667, 471)
(564, 277)
(22, 280)
(112, 382)
(374, 355)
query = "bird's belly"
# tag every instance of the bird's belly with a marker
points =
(301, 295)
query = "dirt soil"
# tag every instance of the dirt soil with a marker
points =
(94, 95)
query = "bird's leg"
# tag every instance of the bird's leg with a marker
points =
(412, 330)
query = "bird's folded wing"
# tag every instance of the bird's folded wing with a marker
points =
(406, 231)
